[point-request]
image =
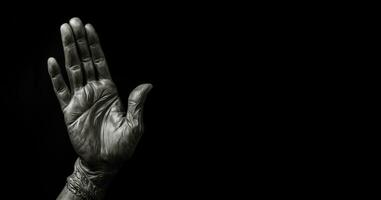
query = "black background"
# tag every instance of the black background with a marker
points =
(227, 117)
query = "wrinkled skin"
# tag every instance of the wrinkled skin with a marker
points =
(101, 131)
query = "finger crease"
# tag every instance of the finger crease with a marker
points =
(70, 46)
(99, 60)
(87, 59)
(75, 67)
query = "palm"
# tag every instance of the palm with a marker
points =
(96, 123)
(102, 132)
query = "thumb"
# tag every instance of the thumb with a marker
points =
(135, 103)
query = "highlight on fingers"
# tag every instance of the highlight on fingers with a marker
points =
(83, 48)
(84, 57)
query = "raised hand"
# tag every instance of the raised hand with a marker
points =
(102, 132)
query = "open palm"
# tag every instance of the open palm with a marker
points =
(101, 131)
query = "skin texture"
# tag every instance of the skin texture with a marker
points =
(103, 133)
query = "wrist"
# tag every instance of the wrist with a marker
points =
(88, 184)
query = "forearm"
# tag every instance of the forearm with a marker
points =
(66, 194)
(85, 185)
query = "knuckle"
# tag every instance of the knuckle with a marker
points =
(70, 45)
(99, 60)
(75, 67)
(94, 45)
(81, 41)
(86, 60)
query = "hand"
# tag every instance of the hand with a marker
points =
(101, 131)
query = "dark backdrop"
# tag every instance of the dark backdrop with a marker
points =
(234, 110)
